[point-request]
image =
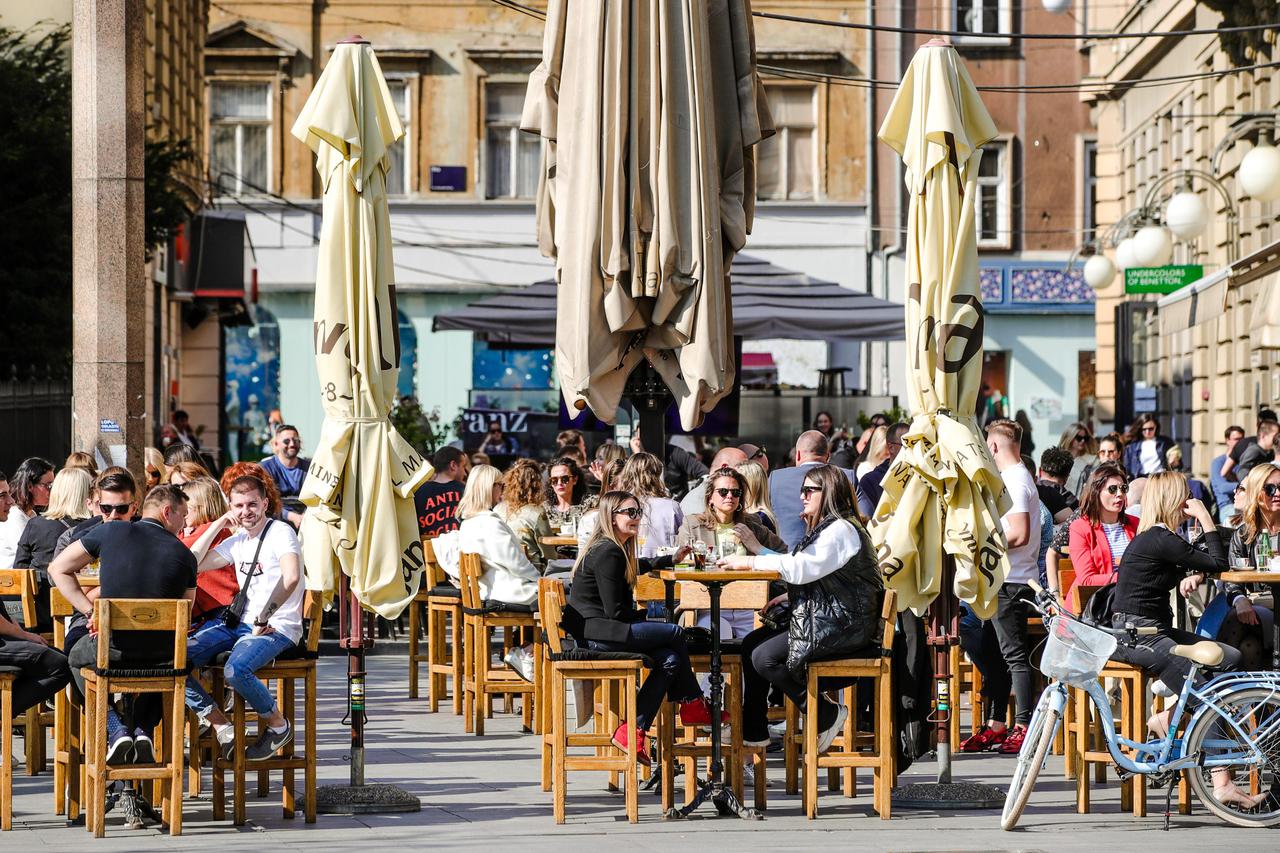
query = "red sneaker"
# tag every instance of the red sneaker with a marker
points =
(1013, 743)
(620, 739)
(986, 739)
(698, 713)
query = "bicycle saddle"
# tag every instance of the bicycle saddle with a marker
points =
(1207, 653)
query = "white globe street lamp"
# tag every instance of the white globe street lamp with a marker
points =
(1099, 272)
(1152, 246)
(1260, 173)
(1125, 254)
(1056, 7)
(1186, 215)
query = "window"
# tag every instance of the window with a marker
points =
(992, 201)
(982, 17)
(786, 167)
(240, 137)
(398, 182)
(512, 158)
(1089, 196)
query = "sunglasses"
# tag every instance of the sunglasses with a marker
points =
(1271, 489)
(1082, 438)
(560, 481)
(629, 512)
(729, 493)
(1148, 429)
(114, 509)
(805, 491)
(1118, 490)
(759, 452)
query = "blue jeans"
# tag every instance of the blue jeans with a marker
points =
(672, 676)
(248, 655)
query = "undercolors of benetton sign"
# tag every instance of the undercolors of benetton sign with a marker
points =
(1161, 279)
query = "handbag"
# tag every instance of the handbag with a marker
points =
(1097, 611)
(233, 615)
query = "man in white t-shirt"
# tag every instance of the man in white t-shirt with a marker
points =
(1022, 533)
(265, 618)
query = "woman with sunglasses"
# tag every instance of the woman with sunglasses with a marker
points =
(662, 518)
(29, 488)
(70, 502)
(1098, 538)
(727, 525)
(1077, 439)
(1145, 452)
(602, 613)
(834, 586)
(566, 492)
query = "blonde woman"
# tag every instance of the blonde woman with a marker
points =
(1078, 440)
(69, 504)
(205, 504)
(153, 460)
(521, 508)
(877, 451)
(642, 477)
(1156, 563)
(507, 574)
(756, 500)
(602, 601)
(186, 472)
(610, 477)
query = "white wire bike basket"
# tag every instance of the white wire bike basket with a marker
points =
(1075, 652)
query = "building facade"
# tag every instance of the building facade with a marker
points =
(1177, 113)
(1034, 187)
(462, 181)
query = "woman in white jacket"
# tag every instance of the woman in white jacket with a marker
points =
(508, 576)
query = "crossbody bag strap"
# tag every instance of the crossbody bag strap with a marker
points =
(242, 595)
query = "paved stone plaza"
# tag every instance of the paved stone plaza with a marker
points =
(484, 793)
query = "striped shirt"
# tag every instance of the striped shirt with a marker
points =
(1117, 539)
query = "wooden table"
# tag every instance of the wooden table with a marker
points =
(1271, 579)
(570, 541)
(714, 580)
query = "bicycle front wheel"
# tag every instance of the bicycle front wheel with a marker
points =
(1044, 725)
(1257, 711)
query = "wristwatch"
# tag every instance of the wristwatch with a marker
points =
(261, 623)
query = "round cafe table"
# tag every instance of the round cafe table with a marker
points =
(559, 541)
(1271, 579)
(713, 788)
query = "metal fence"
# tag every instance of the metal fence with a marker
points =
(35, 414)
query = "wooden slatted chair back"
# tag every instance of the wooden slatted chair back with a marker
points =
(142, 614)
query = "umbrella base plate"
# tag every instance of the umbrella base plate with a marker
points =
(365, 799)
(948, 796)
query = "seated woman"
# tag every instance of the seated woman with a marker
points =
(756, 500)
(507, 575)
(1156, 563)
(835, 550)
(662, 517)
(215, 588)
(521, 509)
(602, 597)
(1250, 622)
(566, 495)
(70, 500)
(1098, 538)
(727, 524)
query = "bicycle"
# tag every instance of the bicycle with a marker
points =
(1234, 721)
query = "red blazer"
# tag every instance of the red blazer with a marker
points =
(216, 588)
(1090, 552)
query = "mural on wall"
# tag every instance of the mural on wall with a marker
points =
(512, 378)
(252, 368)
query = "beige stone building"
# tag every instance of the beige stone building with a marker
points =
(1196, 356)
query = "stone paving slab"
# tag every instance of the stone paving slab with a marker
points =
(484, 794)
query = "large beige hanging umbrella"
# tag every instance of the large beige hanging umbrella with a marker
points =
(943, 496)
(649, 110)
(359, 490)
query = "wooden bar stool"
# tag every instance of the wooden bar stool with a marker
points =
(1090, 743)
(68, 754)
(481, 681)
(417, 623)
(852, 749)
(102, 680)
(22, 584)
(8, 674)
(297, 664)
(444, 633)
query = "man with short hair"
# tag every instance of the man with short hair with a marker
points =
(1232, 462)
(140, 560)
(871, 487)
(288, 467)
(812, 449)
(1262, 450)
(1224, 488)
(1055, 467)
(436, 500)
(264, 619)
(182, 426)
(1022, 535)
(696, 500)
(112, 499)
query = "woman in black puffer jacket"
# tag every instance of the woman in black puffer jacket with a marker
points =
(834, 586)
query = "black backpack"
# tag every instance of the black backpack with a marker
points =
(1098, 609)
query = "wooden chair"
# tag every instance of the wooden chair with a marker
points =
(8, 674)
(102, 680)
(481, 681)
(417, 623)
(444, 635)
(68, 745)
(21, 583)
(607, 670)
(298, 664)
(693, 746)
(851, 749)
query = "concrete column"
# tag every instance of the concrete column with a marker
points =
(108, 97)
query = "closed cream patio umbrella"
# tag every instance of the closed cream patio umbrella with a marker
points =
(648, 111)
(937, 528)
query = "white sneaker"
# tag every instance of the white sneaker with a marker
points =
(825, 738)
(748, 774)
(520, 661)
(777, 730)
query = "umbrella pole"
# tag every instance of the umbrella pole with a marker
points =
(649, 394)
(355, 639)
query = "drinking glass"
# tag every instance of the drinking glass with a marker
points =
(1194, 531)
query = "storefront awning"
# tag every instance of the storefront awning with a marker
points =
(1198, 302)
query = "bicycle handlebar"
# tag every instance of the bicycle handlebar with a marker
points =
(1048, 605)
